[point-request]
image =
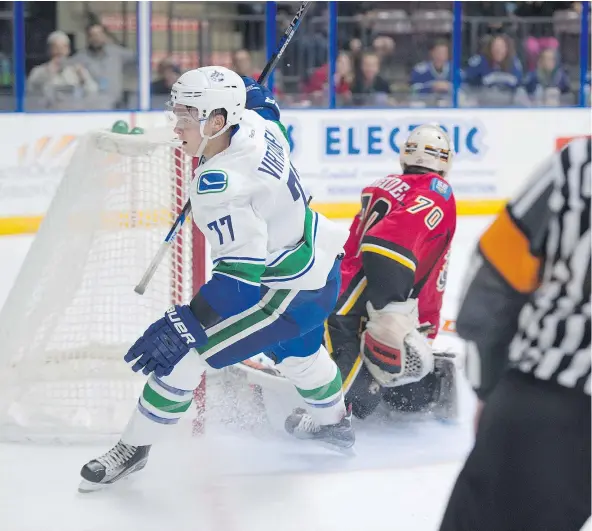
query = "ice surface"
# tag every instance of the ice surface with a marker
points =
(238, 480)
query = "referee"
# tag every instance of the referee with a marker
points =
(526, 318)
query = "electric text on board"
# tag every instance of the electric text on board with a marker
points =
(370, 139)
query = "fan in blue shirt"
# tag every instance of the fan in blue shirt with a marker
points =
(548, 74)
(433, 76)
(497, 68)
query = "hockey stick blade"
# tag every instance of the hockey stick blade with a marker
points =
(269, 67)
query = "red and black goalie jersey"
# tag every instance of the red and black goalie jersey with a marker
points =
(398, 248)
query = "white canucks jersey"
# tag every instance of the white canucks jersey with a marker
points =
(249, 203)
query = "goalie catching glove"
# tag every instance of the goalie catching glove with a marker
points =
(166, 342)
(392, 348)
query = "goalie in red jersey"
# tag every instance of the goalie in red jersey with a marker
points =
(393, 280)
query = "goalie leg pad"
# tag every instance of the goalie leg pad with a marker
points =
(318, 381)
(364, 393)
(361, 390)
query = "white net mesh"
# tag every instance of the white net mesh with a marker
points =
(72, 312)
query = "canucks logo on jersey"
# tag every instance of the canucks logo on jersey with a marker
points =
(212, 182)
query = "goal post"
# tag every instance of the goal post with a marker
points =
(72, 313)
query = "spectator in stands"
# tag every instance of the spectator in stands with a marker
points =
(356, 49)
(242, 63)
(368, 87)
(498, 70)
(168, 73)
(548, 81)
(317, 86)
(433, 76)
(384, 47)
(106, 62)
(61, 83)
(540, 34)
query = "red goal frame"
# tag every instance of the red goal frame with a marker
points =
(197, 265)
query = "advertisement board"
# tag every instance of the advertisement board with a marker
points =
(336, 152)
(36, 149)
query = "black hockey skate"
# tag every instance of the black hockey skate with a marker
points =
(302, 426)
(122, 460)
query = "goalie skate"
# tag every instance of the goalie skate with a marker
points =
(301, 425)
(119, 462)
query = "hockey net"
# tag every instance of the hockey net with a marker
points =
(72, 312)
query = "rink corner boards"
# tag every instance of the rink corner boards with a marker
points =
(14, 225)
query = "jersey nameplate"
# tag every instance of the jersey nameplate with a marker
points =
(273, 161)
(441, 187)
(212, 182)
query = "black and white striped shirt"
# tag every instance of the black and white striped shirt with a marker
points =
(527, 306)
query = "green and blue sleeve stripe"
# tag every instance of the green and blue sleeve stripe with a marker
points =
(243, 271)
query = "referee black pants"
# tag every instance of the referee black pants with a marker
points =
(530, 467)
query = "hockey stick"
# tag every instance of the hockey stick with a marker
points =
(170, 237)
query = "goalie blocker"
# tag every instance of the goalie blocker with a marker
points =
(394, 275)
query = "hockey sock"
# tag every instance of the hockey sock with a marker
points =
(318, 381)
(163, 402)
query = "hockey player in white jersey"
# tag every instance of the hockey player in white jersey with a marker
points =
(275, 278)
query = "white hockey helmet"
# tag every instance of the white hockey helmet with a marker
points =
(208, 89)
(428, 146)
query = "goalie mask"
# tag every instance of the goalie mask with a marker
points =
(429, 147)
